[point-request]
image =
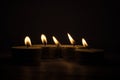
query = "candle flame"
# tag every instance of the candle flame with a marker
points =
(84, 42)
(27, 41)
(43, 39)
(55, 40)
(72, 41)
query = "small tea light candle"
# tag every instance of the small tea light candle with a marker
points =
(28, 54)
(56, 51)
(87, 55)
(68, 51)
(45, 48)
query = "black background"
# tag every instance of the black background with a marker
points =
(96, 21)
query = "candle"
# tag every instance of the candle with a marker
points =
(28, 54)
(90, 56)
(87, 55)
(56, 51)
(45, 48)
(68, 51)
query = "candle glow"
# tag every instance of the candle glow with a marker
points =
(27, 41)
(43, 39)
(84, 42)
(55, 40)
(72, 41)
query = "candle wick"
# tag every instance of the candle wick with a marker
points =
(58, 45)
(27, 46)
(45, 44)
(74, 44)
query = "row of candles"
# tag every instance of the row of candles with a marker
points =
(29, 52)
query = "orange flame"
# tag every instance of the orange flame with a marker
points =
(43, 39)
(27, 41)
(55, 40)
(84, 42)
(72, 41)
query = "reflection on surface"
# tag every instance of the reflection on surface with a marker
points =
(55, 69)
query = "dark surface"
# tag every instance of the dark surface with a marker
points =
(60, 69)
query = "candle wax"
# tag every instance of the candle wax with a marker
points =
(89, 56)
(26, 55)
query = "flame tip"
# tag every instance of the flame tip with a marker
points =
(68, 33)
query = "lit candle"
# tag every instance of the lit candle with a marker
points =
(28, 54)
(68, 51)
(89, 55)
(56, 50)
(45, 48)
